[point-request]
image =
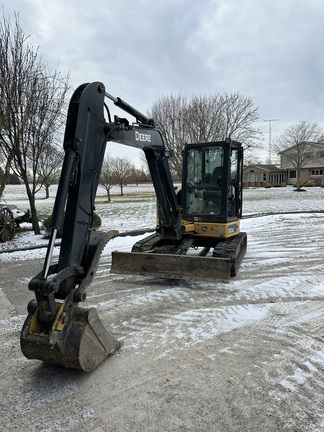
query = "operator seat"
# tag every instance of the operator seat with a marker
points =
(216, 177)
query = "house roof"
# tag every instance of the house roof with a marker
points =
(310, 143)
(265, 167)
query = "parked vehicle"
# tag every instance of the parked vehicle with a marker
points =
(10, 218)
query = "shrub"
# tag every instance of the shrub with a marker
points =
(47, 224)
(96, 221)
(306, 184)
(13, 179)
(267, 186)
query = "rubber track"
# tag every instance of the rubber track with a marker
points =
(233, 248)
(147, 243)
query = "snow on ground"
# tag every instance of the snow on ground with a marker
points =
(246, 354)
(130, 213)
(272, 241)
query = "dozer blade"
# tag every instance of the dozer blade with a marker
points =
(171, 265)
(75, 340)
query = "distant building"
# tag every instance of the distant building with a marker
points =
(259, 175)
(311, 171)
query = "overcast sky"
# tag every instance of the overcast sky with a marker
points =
(270, 50)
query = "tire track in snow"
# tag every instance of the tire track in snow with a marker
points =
(271, 314)
(286, 358)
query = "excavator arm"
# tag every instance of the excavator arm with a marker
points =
(56, 329)
(147, 138)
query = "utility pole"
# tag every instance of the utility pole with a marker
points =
(270, 142)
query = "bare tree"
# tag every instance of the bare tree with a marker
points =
(107, 179)
(122, 171)
(137, 175)
(31, 106)
(6, 174)
(204, 118)
(202, 115)
(51, 160)
(169, 113)
(238, 117)
(6, 161)
(296, 143)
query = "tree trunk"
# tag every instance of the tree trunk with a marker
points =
(108, 195)
(5, 177)
(47, 191)
(121, 189)
(33, 211)
(298, 178)
(34, 219)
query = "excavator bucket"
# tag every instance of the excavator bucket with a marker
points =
(76, 339)
(171, 265)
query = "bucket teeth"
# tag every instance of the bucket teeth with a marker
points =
(79, 340)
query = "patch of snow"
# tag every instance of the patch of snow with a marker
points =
(198, 325)
(301, 375)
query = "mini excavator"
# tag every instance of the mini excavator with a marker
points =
(197, 234)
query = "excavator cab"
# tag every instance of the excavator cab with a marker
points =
(212, 185)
